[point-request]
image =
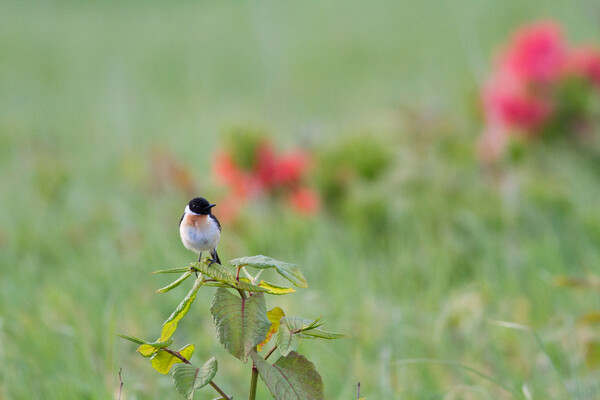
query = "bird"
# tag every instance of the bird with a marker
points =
(199, 229)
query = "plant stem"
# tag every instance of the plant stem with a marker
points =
(218, 389)
(253, 382)
(185, 360)
(270, 352)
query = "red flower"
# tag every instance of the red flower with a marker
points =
(585, 62)
(229, 209)
(305, 201)
(243, 183)
(266, 165)
(225, 168)
(291, 167)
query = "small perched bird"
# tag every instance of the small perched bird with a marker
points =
(199, 229)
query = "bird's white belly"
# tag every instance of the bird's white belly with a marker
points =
(200, 240)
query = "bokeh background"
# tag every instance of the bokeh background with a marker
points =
(112, 114)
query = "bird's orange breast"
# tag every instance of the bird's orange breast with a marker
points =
(197, 221)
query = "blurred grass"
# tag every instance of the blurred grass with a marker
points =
(89, 91)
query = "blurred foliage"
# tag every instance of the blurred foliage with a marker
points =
(347, 177)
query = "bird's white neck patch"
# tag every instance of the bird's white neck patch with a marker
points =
(188, 211)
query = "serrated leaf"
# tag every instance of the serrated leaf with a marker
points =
(176, 283)
(163, 360)
(215, 271)
(132, 338)
(274, 316)
(188, 378)
(291, 272)
(287, 341)
(182, 309)
(297, 324)
(292, 377)
(173, 270)
(241, 323)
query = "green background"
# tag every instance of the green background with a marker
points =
(90, 91)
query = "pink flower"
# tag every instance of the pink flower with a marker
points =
(536, 53)
(305, 201)
(584, 62)
(518, 95)
(520, 111)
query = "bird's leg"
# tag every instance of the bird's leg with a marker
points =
(199, 259)
(215, 257)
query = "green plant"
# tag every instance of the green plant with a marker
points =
(244, 327)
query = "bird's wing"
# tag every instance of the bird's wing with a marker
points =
(181, 219)
(217, 221)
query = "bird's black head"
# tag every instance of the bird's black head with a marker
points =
(200, 205)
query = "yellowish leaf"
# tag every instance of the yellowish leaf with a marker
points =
(147, 350)
(163, 360)
(274, 316)
(275, 289)
(170, 324)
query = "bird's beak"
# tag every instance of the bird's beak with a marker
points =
(212, 205)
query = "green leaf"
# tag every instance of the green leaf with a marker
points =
(171, 323)
(308, 328)
(292, 377)
(226, 278)
(132, 338)
(241, 323)
(176, 283)
(173, 270)
(287, 270)
(188, 378)
(243, 284)
(318, 333)
(286, 340)
(291, 329)
(163, 360)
